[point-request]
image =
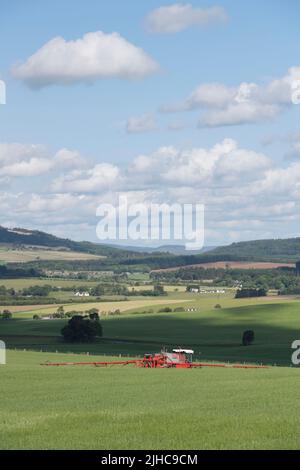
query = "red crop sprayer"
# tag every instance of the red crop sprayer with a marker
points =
(177, 359)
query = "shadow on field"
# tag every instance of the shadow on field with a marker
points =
(215, 335)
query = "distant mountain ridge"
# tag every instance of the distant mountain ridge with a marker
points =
(279, 250)
(20, 236)
(172, 249)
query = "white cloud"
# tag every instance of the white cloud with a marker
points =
(239, 113)
(222, 105)
(102, 176)
(66, 158)
(237, 185)
(31, 167)
(178, 17)
(140, 124)
(282, 181)
(190, 167)
(14, 152)
(94, 56)
(21, 160)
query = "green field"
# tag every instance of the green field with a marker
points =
(139, 303)
(127, 408)
(61, 283)
(26, 255)
(214, 334)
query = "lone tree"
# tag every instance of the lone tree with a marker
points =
(6, 315)
(60, 312)
(93, 313)
(248, 337)
(158, 289)
(81, 330)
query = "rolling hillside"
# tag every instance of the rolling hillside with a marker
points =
(279, 250)
(19, 237)
(273, 250)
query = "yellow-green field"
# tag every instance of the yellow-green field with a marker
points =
(174, 299)
(24, 256)
(27, 311)
(132, 408)
(61, 283)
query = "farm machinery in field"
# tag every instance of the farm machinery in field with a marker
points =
(177, 359)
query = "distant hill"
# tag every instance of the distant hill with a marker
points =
(168, 256)
(172, 249)
(20, 236)
(24, 237)
(279, 250)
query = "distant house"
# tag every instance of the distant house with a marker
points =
(194, 289)
(81, 294)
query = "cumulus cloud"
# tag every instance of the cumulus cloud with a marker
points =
(94, 56)
(237, 185)
(222, 105)
(101, 176)
(140, 124)
(240, 113)
(21, 160)
(66, 158)
(190, 167)
(31, 167)
(14, 152)
(178, 17)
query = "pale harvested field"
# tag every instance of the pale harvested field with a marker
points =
(26, 308)
(122, 305)
(23, 256)
(232, 265)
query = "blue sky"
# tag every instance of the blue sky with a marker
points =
(257, 43)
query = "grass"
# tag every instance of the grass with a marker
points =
(214, 334)
(128, 408)
(122, 305)
(24, 256)
(23, 283)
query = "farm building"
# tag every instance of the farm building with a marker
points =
(81, 294)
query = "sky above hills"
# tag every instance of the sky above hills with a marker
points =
(165, 102)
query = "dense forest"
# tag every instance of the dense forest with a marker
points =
(262, 250)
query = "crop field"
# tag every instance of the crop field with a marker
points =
(141, 303)
(214, 334)
(128, 408)
(122, 305)
(85, 407)
(232, 265)
(26, 255)
(61, 283)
